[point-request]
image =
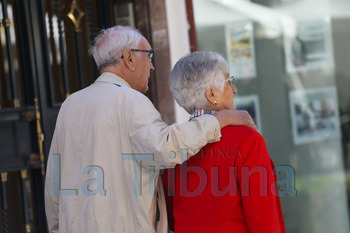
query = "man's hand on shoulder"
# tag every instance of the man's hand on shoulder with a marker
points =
(234, 117)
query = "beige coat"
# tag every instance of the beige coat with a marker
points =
(107, 149)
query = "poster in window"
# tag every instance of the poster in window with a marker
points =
(314, 114)
(250, 103)
(308, 45)
(240, 49)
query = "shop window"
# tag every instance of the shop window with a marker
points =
(292, 74)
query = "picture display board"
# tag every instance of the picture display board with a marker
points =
(314, 114)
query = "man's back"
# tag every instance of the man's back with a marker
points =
(92, 133)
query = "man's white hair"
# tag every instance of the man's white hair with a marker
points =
(109, 45)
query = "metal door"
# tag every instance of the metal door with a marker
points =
(43, 58)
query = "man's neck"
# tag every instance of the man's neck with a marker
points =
(115, 69)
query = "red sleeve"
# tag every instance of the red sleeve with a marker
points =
(258, 187)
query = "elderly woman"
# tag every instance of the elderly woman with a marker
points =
(228, 186)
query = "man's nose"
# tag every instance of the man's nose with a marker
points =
(152, 67)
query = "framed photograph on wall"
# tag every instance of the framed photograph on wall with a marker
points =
(240, 49)
(308, 45)
(314, 114)
(250, 103)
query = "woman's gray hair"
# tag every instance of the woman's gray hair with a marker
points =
(192, 75)
(110, 43)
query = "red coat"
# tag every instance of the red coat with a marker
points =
(228, 186)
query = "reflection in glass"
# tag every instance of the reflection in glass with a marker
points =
(302, 80)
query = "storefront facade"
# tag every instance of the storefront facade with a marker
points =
(292, 71)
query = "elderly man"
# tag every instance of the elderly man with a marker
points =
(109, 142)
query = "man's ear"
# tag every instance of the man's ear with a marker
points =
(210, 93)
(128, 59)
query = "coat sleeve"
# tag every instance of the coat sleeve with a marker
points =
(258, 187)
(149, 134)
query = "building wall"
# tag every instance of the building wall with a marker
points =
(179, 42)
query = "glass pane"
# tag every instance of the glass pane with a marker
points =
(14, 216)
(11, 75)
(292, 73)
(123, 13)
(70, 27)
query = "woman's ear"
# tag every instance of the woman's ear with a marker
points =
(128, 60)
(210, 93)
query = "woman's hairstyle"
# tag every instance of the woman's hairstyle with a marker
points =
(192, 75)
(109, 45)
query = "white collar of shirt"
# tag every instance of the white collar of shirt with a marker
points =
(108, 77)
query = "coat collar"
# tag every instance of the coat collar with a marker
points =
(108, 77)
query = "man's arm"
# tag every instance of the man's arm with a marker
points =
(149, 134)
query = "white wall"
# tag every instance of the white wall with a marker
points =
(179, 41)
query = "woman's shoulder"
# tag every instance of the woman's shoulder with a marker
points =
(239, 131)
(238, 135)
